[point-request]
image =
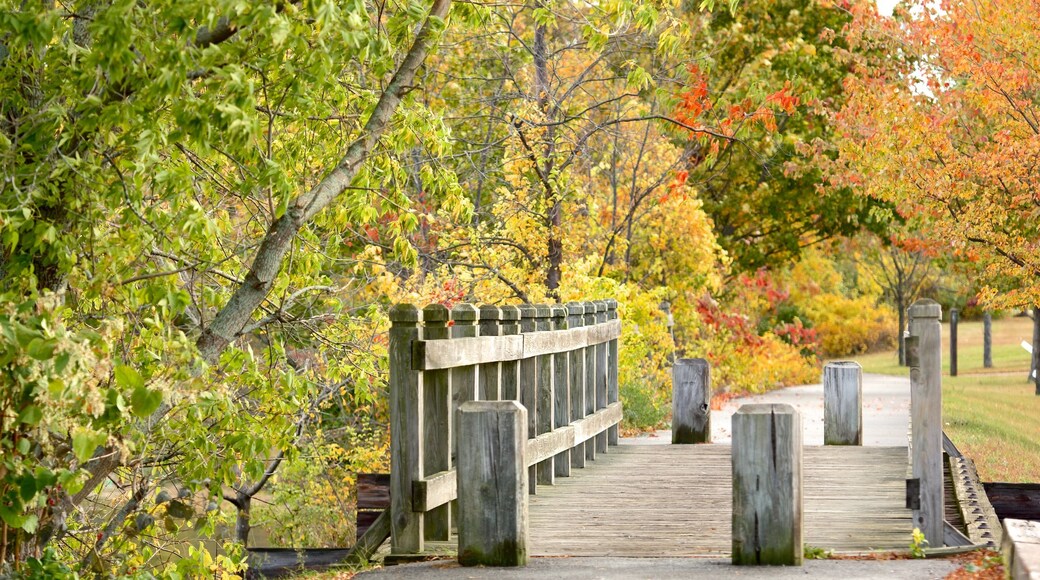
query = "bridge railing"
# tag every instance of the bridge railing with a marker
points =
(559, 362)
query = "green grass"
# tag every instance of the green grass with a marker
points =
(992, 415)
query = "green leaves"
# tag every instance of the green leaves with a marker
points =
(85, 441)
(143, 401)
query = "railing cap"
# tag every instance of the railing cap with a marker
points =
(509, 312)
(490, 312)
(925, 308)
(464, 313)
(404, 313)
(435, 313)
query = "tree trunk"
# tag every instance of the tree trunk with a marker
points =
(553, 218)
(242, 528)
(267, 262)
(901, 307)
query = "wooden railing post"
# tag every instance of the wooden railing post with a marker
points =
(612, 371)
(492, 484)
(510, 369)
(691, 401)
(489, 374)
(406, 428)
(437, 421)
(464, 379)
(529, 386)
(843, 403)
(601, 374)
(767, 485)
(926, 417)
(590, 377)
(575, 319)
(561, 392)
(546, 394)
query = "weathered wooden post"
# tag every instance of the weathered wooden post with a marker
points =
(691, 401)
(510, 369)
(924, 350)
(601, 374)
(561, 392)
(843, 403)
(613, 394)
(767, 485)
(987, 340)
(546, 394)
(406, 425)
(437, 422)
(954, 319)
(529, 385)
(590, 378)
(464, 379)
(492, 484)
(575, 319)
(489, 375)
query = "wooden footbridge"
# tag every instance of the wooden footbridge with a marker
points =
(504, 434)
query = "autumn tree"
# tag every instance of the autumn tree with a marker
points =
(764, 192)
(946, 130)
(182, 183)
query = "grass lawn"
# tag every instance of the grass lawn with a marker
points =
(992, 415)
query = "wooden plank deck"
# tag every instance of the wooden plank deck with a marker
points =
(675, 500)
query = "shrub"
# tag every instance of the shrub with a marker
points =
(849, 326)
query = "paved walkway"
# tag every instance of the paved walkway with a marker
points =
(886, 412)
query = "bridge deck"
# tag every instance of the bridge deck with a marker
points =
(675, 500)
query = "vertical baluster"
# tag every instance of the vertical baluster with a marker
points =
(463, 379)
(546, 398)
(510, 372)
(561, 392)
(489, 375)
(438, 426)
(601, 374)
(612, 371)
(529, 388)
(576, 319)
(590, 377)
(406, 428)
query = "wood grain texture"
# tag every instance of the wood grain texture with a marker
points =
(439, 488)
(406, 421)
(492, 484)
(926, 416)
(489, 349)
(691, 401)
(676, 500)
(843, 403)
(767, 486)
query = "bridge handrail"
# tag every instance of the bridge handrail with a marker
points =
(560, 362)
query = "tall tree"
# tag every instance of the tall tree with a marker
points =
(947, 130)
(182, 181)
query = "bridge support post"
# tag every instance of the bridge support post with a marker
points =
(492, 484)
(926, 440)
(843, 403)
(691, 401)
(767, 485)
